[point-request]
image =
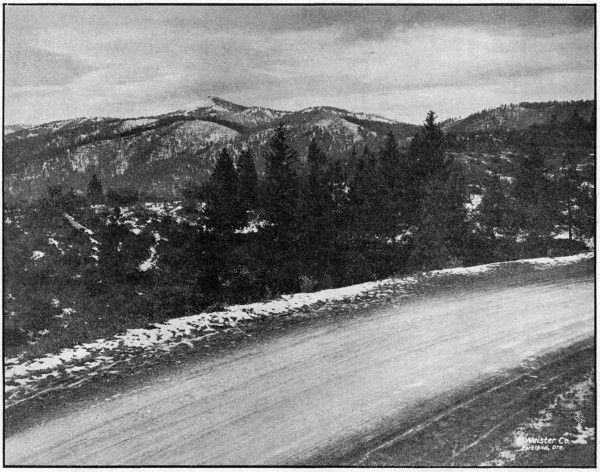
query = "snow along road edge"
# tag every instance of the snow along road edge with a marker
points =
(72, 367)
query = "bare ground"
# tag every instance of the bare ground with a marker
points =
(504, 421)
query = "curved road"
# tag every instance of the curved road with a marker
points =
(313, 389)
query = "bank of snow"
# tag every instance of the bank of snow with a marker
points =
(23, 378)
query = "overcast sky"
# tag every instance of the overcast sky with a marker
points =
(397, 61)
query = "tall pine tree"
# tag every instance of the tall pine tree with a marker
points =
(281, 204)
(224, 213)
(426, 160)
(315, 196)
(536, 197)
(443, 234)
(248, 180)
(281, 185)
(94, 191)
(391, 208)
(426, 151)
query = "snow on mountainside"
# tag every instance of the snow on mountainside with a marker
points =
(519, 116)
(16, 127)
(200, 104)
(136, 123)
(347, 114)
(113, 155)
(160, 154)
(248, 117)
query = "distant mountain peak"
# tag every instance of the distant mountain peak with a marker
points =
(328, 110)
(212, 103)
(227, 104)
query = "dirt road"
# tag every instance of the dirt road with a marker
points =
(318, 388)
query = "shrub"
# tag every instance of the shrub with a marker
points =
(307, 283)
(122, 196)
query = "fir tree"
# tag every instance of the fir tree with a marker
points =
(315, 194)
(568, 183)
(352, 162)
(443, 234)
(94, 191)
(248, 180)
(531, 175)
(391, 188)
(536, 196)
(426, 151)
(389, 162)
(365, 200)
(224, 212)
(281, 207)
(495, 214)
(281, 185)
(426, 160)
(318, 209)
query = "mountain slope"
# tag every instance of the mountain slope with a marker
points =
(520, 116)
(160, 154)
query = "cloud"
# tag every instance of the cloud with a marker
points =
(35, 67)
(125, 60)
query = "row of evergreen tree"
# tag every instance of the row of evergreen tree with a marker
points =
(383, 211)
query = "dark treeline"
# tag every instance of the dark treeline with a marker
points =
(303, 225)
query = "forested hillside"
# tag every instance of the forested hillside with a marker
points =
(84, 265)
(158, 156)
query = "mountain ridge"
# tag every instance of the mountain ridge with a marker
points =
(160, 154)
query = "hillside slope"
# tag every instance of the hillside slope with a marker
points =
(161, 154)
(519, 116)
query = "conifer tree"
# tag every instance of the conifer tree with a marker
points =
(443, 232)
(248, 180)
(315, 194)
(584, 212)
(531, 176)
(426, 160)
(224, 212)
(281, 209)
(568, 183)
(495, 214)
(389, 162)
(352, 162)
(318, 212)
(281, 185)
(536, 196)
(426, 151)
(94, 191)
(365, 199)
(391, 189)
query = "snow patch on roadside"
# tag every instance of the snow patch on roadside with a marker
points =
(548, 418)
(22, 376)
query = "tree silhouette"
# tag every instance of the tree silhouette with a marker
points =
(224, 213)
(281, 186)
(94, 190)
(248, 180)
